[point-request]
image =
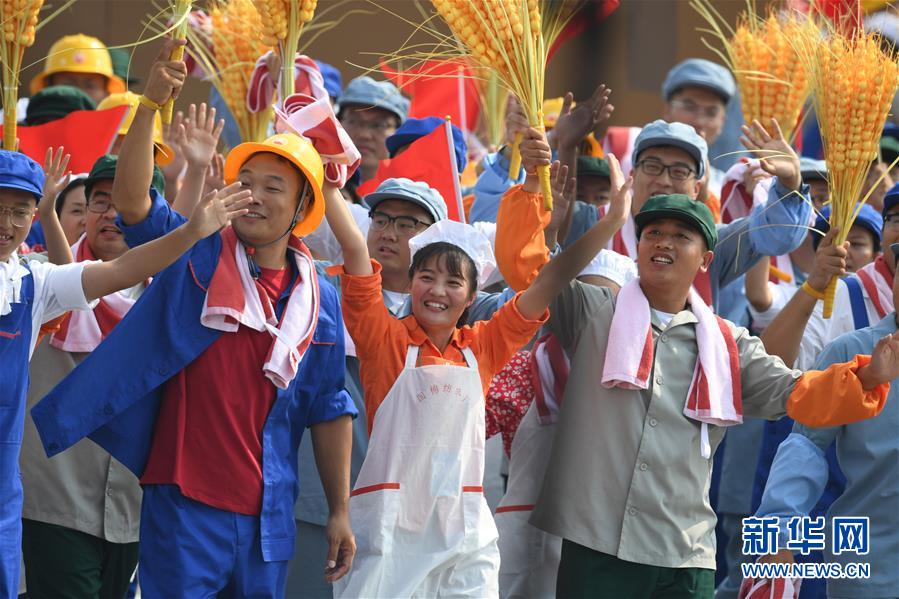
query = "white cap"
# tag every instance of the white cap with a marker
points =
(613, 266)
(467, 238)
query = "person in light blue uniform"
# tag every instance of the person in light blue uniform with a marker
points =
(868, 454)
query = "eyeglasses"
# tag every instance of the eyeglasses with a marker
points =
(406, 226)
(380, 126)
(695, 110)
(19, 217)
(99, 206)
(655, 168)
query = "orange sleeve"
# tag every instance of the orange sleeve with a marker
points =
(507, 332)
(365, 316)
(714, 205)
(520, 244)
(50, 327)
(835, 396)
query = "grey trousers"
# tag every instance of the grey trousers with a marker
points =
(306, 569)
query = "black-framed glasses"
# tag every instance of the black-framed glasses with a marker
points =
(404, 225)
(19, 217)
(655, 168)
(99, 206)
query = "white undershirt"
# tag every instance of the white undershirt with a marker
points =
(664, 317)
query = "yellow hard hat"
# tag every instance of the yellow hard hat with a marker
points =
(551, 109)
(300, 152)
(165, 154)
(79, 54)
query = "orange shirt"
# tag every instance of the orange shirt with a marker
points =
(382, 340)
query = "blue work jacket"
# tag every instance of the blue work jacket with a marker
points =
(113, 397)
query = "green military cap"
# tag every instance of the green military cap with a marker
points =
(104, 169)
(680, 207)
(591, 166)
(55, 102)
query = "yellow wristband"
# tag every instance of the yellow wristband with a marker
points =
(149, 103)
(818, 295)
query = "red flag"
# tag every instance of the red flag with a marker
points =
(85, 134)
(439, 88)
(430, 159)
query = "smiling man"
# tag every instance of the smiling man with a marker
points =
(635, 518)
(241, 349)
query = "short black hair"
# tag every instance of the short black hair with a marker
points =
(61, 196)
(455, 261)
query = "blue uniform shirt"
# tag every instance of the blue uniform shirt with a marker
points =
(114, 395)
(868, 453)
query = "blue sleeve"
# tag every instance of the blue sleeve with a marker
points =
(584, 217)
(797, 480)
(780, 226)
(486, 305)
(493, 183)
(160, 220)
(330, 400)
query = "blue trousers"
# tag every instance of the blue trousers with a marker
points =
(189, 549)
(10, 519)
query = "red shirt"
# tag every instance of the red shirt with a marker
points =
(208, 437)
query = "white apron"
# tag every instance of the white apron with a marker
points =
(422, 525)
(530, 557)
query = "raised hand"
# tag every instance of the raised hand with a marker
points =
(574, 124)
(215, 174)
(166, 76)
(563, 194)
(535, 150)
(830, 261)
(198, 136)
(884, 364)
(56, 176)
(776, 156)
(217, 209)
(516, 121)
(621, 195)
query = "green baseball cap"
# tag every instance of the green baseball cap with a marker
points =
(889, 148)
(104, 169)
(591, 166)
(680, 207)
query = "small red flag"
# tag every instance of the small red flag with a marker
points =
(85, 134)
(430, 159)
(440, 88)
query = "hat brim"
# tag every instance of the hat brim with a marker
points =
(240, 154)
(373, 199)
(114, 84)
(703, 83)
(655, 142)
(37, 195)
(165, 154)
(643, 218)
(366, 103)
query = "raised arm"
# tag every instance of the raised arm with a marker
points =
(130, 193)
(757, 291)
(56, 177)
(784, 335)
(563, 268)
(356, 259)
(214, 212)
(197, 139)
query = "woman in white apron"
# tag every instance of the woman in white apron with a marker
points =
(422, 524)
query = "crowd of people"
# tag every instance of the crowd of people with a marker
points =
(653, 350)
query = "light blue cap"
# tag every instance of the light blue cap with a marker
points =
(812, 169)
(365, 91)
(679, 135)
(417, 192)
(699, 72)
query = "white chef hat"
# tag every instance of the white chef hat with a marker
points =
(467, 238)
(613, 266)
